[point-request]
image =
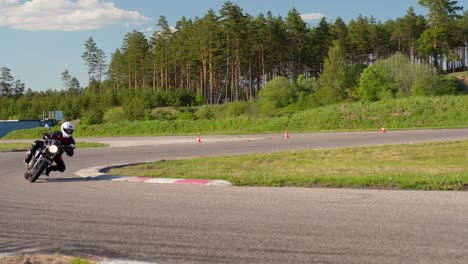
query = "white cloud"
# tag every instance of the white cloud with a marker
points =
(312, 16)
(66, 15)
(7, 2)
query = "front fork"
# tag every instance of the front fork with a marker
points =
(35, 160)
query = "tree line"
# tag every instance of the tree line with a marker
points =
(231, 55)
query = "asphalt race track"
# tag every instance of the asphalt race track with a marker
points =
(168, 223)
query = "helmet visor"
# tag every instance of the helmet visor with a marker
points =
(68, 131)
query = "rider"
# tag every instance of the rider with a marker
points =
(65, 137)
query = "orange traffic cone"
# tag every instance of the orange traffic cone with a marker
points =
(199, 139)
(384, 130)
(286, 136)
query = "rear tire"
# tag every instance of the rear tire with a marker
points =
(39, 169)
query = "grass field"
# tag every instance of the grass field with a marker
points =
(436, 166)
(405, 113)
(428, 166)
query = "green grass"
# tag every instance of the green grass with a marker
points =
(78, 260)
(428, 166)
(406, 113)
(22, 146)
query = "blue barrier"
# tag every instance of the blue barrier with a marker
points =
(6, 126)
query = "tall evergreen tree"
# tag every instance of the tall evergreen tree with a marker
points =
(66, 79)
(116, 70)
(18, 88)
(100, 66)
(160, 54)
(90, 56)
(297, 34)
(461, 33)
(321, 41)
(136, 53)
(6, 82)
(409, 30)
(435, 41)
(234, 22)
(335, 74)
(359, 34)
(339, 31)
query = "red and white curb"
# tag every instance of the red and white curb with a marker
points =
(123, 261)
(96, 173)
(95, 259)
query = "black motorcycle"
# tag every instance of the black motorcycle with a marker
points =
(43, 158)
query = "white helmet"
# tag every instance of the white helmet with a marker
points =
(67, 129)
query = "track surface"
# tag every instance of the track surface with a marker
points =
(165, 223)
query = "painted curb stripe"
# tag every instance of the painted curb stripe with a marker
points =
(161, 180)
(192, 181)
(169, 180)
(136, 179)
(97, 173)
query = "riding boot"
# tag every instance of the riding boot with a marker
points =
(47, 171)
(28, 157)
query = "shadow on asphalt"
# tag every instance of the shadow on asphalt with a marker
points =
(75, 179)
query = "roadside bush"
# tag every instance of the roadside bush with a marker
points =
(165, 113)
(137, 108)
(92, 117)
(205, 112)
(431, 85)
(278, 92)
(237, 108)
(187, 114)
(374, 85)
(398, 77)
(114, 115)
(268, 108)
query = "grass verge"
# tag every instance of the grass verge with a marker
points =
(404, 113)
(44, 259)
(22, 146)
(426, 166)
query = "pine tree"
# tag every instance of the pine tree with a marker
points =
(136, 53)
(90, 57)
(160, 54)
(6, 82)
(335, 73)
(297, 35)
(435, 41)
(66, 79)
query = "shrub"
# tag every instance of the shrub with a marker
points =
(205, 112)
(186, 115)
(92, 117)
(137, 108)
(165, 113)
(114, 115)
(278, 92)
(374, 85)
(431, 85)
(236, 108)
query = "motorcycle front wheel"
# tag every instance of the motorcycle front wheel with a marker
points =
(34, 175)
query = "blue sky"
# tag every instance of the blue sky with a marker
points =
(41, 38)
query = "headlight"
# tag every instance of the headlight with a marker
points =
(53, 149)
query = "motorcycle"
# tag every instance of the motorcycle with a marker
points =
(43, 158)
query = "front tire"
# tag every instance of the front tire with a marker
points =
(39, 169)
